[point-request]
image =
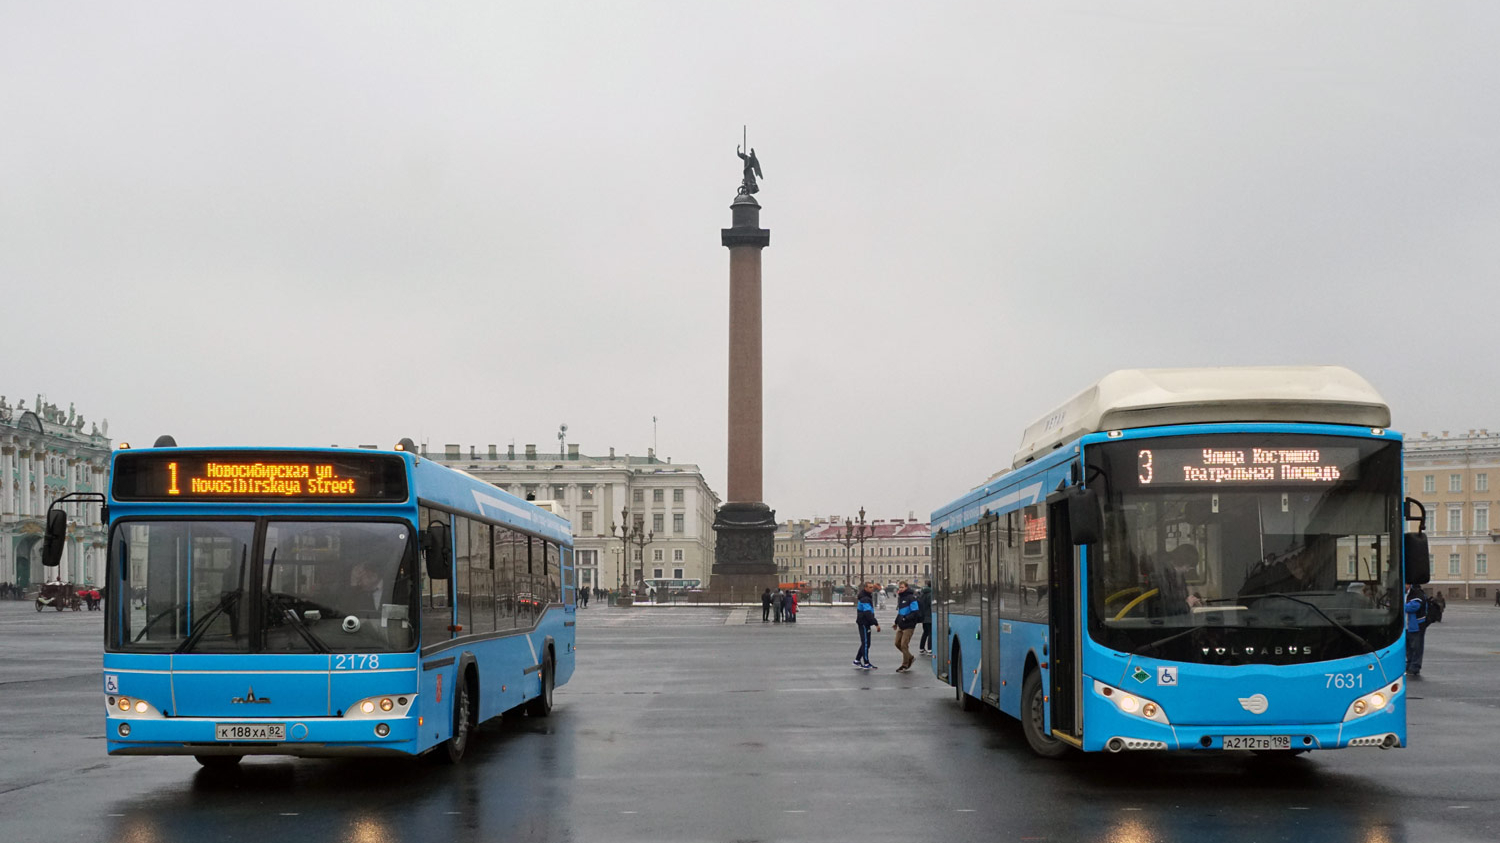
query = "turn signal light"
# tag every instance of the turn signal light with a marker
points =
(386, 704)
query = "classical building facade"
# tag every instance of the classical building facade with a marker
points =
(45, 453)
(1457, 479)
(893, 550)
(791, 554)
(672, 502)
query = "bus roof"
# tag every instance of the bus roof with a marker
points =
(1153, 397)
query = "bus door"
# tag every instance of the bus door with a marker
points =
(989, 608)
(940, 634)
(1064, 649)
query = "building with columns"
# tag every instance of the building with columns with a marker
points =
(1457, 479)
(670, 501)
(45, 453)
(894, 550)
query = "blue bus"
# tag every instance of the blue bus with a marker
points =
(1188, 559)
(321, 602)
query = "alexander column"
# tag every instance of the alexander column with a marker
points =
(745, 526)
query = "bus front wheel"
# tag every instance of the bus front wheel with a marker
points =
(463, 723)
(1034, 719)
(956, 670)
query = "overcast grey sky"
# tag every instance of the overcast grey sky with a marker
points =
(304, 223)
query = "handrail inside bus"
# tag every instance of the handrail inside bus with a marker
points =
(1136, 602)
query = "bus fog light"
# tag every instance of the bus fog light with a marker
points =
(124, 730)
(382, 730)
(367, 706)
(386, 704)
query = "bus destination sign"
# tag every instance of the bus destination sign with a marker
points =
(1246, 466)
(259, 476)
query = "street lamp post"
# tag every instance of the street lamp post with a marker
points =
(861, 533)
(629, 534)
(848, 542)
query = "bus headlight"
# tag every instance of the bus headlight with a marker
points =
(1373, 702)
(1135, 706)
(381, 707)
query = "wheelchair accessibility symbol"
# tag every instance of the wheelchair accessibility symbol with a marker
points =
(1166, 676)
(111, 683)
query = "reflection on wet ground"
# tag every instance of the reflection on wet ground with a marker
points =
(681, 730)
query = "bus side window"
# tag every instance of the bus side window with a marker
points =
(437, 609)
(481, 581)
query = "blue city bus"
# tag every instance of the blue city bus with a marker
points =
(322, 602)
(1188, 559)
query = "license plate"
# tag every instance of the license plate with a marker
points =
(1257, 742)
(250, 731)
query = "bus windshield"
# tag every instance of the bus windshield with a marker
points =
(197, 586)
(1247, 548)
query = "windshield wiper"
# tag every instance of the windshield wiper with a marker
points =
(200, 626)
(1309, 604)
(278, 601)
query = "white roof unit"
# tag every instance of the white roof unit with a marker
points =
(1153, 397)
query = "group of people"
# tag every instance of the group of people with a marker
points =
(777, 605)
(11, 591)
(912, 609)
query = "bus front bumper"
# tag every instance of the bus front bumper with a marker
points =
(312, 737)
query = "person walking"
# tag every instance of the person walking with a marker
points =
(924, 612)
(765, 605)
(908, 615)
(778, 600)
(864, 618)
(789, 606)
(1416, 628)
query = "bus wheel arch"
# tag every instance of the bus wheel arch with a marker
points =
(1034, 714)
(541, 704)
(465, 709)
(956, 670)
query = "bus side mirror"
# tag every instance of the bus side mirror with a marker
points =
(54, 537)
(437, 549)
(1085, 519)
(1418, 560)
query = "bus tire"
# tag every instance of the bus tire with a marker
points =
(218, 762)
(541, 704)
(1034, 719)
(464, 723)
(956, 670)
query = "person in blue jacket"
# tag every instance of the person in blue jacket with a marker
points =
(1416, 633)
(908, 615)
(924, 608)
(864, 618)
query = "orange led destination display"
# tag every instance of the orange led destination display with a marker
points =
(1245, 466)
(259, 476)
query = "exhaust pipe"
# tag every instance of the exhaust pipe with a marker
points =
(1390, 742)
(1114, 745)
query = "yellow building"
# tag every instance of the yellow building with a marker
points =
(1452, 475)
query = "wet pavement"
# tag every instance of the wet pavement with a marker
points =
(705, 724)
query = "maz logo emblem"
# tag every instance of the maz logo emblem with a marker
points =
(1256, 704)
(251, 698)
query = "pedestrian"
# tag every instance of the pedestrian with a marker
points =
(864, 618)
(1435, 608)
(777, 601)
(765, 605)
(790, 604)
(908, 615)
(1416, 628)
(924, 611)
(1497, 597)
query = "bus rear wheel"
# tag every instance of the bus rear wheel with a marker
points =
(956, 670)
(463, 723)
(541, 704)
(1034, 719)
